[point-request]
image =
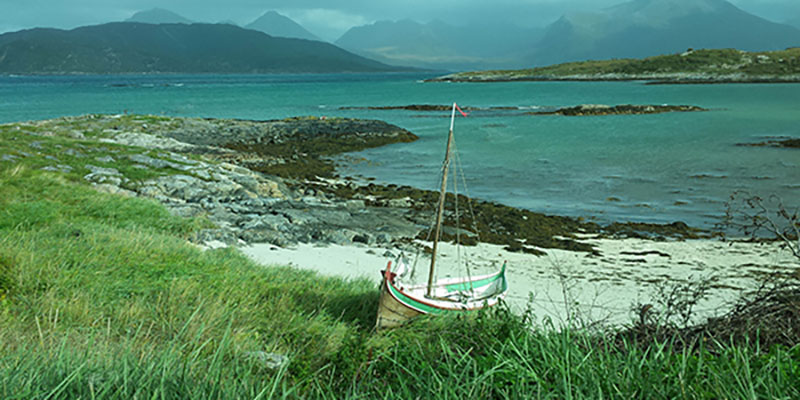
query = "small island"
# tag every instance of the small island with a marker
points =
(689, 67)
(785, 143)
(622, 109)
(429, 107)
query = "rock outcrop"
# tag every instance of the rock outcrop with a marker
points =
(246, 205)
(602, 109)
(788, 143)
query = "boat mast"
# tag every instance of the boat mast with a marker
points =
(442, 195)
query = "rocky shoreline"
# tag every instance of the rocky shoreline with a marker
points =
(270, 182)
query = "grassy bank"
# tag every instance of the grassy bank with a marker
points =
(102, 296)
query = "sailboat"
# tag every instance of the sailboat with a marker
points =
(399, 303)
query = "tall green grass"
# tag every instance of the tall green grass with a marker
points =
(103, 297)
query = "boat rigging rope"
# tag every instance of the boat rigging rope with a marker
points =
(469, 199)
(456, 168)
(457, 161)
(430, 230)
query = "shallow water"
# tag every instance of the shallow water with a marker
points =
(661, 168)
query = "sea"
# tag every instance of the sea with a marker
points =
(644, 168)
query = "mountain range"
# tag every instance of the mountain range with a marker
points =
(642, 28)
(129, 47)
(271, 22)
(637, 28)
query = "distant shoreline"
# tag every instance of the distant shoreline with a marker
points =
(648, 80)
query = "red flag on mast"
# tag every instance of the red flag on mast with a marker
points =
(459, 110)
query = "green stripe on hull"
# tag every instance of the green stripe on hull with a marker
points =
(415, 304)
(460, 287)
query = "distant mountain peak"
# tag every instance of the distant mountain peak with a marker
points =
(275, 24)
(158, 16)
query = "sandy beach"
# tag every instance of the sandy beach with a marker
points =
(592, 288)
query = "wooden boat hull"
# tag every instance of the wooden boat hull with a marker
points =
(391, 312)
(397, 305)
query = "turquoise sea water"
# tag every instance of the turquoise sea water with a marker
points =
(662, 168)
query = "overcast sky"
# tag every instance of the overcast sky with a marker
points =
(328, 19)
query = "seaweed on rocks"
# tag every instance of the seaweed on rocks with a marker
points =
(517, 229)
(301, 151)
(790, 143)
(622, 109)
(478, 220)
(643, 230)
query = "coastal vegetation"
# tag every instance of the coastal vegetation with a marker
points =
(106, 296)
(692, 66)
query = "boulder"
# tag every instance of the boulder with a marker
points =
(112, 189)
(100, 175)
